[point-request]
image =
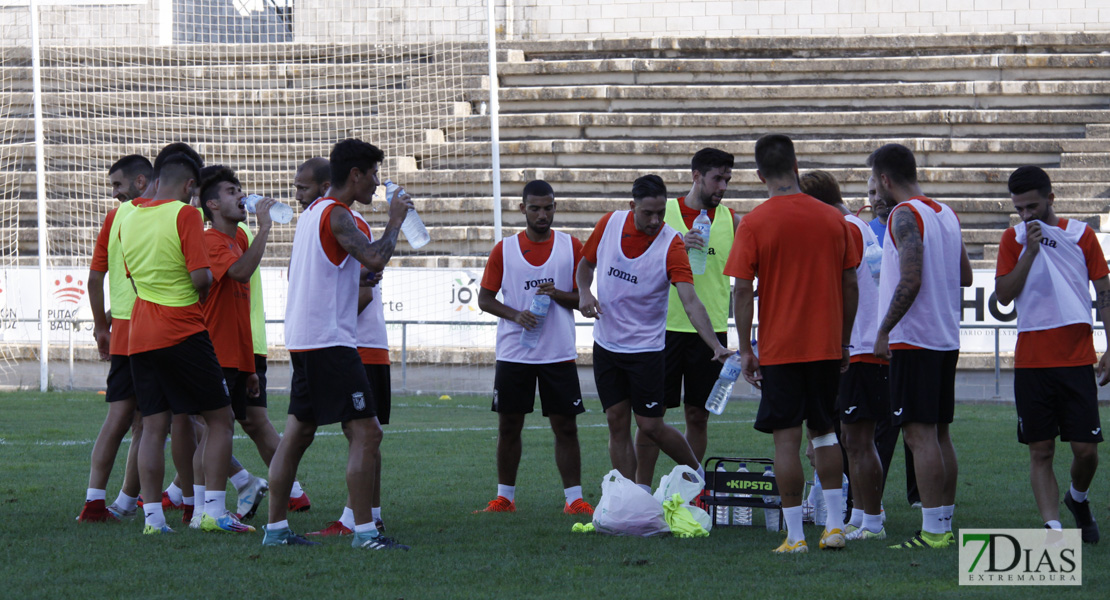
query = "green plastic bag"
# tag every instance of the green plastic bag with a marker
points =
(682, 521)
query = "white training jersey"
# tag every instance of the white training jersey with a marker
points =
(321, 308)
(519, 280)
(632, 291)
(866, 326)
(1057, 290)
(371, 321)
(933, 320)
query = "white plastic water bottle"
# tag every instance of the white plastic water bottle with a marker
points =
(698, 257)
(771, 515)
(529, 338)
(413, 227)
(742, 515)
(722, 511)
(873, 256)
(718, 398)
(817, 495)
(280, 213)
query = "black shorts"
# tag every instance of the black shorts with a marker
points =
(185, 378)
(514, 388)
(797, 392)
(1057, 401)
(260, 369)
(378, 375)
(637, 377)
(864, 393)
(237, 386)
(121, 386)
(689, 364)
(923, 386)
(330, 386)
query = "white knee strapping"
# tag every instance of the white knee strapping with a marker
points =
(829, 439)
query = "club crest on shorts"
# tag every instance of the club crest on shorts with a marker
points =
(358, 400)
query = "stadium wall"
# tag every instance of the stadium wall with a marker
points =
(80, 22)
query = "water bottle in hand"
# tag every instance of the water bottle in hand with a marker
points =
(529, 338)
(873, 256)
(699, 256)
(280, 213)
(413, 227)
(722, 390)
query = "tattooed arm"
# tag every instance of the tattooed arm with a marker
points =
(905, 233)
(373, 256)
(1102, 301)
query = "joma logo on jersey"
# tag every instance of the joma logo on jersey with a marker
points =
(756, 486)
(619, 274)
(1047, 242)
(535, 283)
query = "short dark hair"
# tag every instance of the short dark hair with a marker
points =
(896, 162)
(711, 158)
(173, 149)
(538, 188)
(352, 154)
(319, 167)
(210, 179)
(823, 186)
(774, 155)
(179, 168)
(1030, 178)
(132, 166)
(648, 186)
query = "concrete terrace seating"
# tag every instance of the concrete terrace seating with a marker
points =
(588, 116)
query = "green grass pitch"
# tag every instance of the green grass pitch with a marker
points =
(438, 468)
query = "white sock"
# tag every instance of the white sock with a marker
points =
(241, 480)
(1077, 495)
(154, 515)
(1054, 525)
(507, 491)
(175, 493)
(572, 493)
(215, 503)
(932, 520)
(793, 516)
(188, 501)
(284, 524)
(94, 494)
(348, 518)
(873, 523)
(644, 486)
(376, 512)
(857, 518)
(834, 502)
(369, 527)
(126, 502)
(198, 495)
(948, 511)
(297, 492)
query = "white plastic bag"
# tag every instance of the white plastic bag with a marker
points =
(675, 483)
(625, 509)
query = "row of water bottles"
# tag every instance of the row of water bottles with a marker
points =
(413, 226)
(742, 515)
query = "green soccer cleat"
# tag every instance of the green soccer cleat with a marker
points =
(226, 523)
(152, 530)
(923, 539)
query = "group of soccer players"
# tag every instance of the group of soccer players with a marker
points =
(858, 332)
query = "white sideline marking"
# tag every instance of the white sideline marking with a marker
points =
(386, 429)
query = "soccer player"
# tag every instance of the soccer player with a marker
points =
(803, 253)
(924, 266)
(1044, 264)
(637, 257)
(173, 363)
(129, 177)
(537, 261)
(863, 399)
(321, 331)
(312, 180)
(689, 366)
